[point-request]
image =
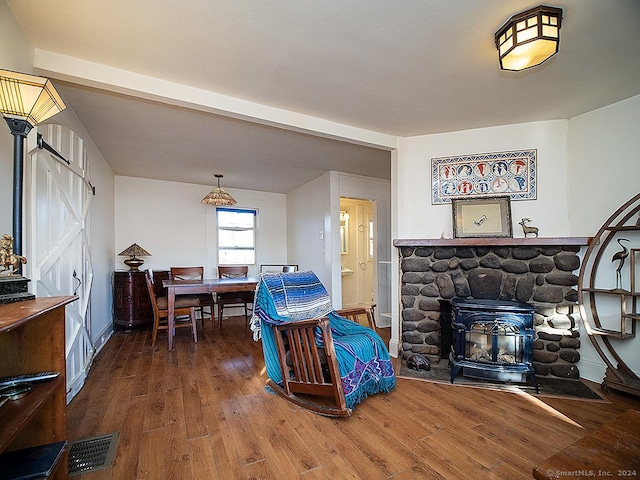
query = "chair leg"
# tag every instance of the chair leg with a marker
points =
(220, 308)
(193, 325)
(155, 332)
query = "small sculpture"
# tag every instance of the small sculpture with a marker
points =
(526, 229)
(415, 361)
(9, 261)
(620, 256)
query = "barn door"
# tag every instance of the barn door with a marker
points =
(57, 201)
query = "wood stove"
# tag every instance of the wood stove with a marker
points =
(492, 340)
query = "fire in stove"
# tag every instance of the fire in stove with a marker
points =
(493, 340)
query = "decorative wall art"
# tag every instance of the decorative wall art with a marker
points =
(482, 217)
(488, 174)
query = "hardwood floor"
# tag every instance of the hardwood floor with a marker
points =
(201, 412)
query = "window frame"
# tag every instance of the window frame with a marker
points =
(254, 229)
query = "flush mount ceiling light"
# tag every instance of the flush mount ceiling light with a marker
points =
(529, 38)
(218, 196)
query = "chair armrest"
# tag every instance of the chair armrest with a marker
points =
(352, 313)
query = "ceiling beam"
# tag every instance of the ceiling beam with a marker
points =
(82, 72)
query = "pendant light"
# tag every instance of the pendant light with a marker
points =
(218, 196)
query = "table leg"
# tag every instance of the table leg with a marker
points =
(171, 304)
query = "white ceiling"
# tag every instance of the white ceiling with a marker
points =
(404, 68)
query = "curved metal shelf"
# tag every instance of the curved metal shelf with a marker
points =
(618, 375)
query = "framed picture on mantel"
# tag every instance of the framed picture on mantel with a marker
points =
(482, 217)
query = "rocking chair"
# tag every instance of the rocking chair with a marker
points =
(314, 357)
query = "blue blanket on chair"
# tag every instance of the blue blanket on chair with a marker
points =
(363, 359)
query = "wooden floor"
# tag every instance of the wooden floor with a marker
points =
(201, 412)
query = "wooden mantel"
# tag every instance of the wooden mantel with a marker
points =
(492, 242)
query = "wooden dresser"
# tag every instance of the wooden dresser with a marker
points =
(131, 302)
(32, 340)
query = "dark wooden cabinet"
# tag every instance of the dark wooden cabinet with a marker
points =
(32, 340)
(131, 302)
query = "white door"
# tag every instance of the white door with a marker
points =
(57, 200)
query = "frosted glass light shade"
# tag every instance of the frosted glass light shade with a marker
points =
(28, 97)
(529, 38)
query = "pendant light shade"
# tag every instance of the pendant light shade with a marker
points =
(218, 196)
(529, 38)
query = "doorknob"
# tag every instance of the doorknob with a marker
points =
(363, 265)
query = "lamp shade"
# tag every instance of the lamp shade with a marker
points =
(133, 252)
(529, 38)
(28, 97)
(218, 196)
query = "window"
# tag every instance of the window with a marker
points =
(236, 236)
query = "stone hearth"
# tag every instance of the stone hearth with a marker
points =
(542, 272)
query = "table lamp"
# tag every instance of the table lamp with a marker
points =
(133, 252)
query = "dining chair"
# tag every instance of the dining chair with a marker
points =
(204, 299)
(185, 312)
(233, 299)
(278, 268)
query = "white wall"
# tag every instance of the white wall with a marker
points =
(16, 53)
(604, 164)
(168, 220)
(587, 167)
(418, 218)
(309, 228)
(604, 170)
(313, 226)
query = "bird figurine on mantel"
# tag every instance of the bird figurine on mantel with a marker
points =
(620, 256)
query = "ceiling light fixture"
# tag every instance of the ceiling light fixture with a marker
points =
(25, 101)
(529, 38)
(218, 196)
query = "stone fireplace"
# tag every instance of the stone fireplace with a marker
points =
(539, 271)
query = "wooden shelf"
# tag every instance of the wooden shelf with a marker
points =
(32, 339)
(492, 242)
(15, 413)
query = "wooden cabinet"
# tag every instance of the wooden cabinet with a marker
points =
(131, 302)
(32, 340)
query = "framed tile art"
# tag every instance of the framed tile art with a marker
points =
(488, 174)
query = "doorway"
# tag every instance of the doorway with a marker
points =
(358, 252)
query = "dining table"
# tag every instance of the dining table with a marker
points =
(207, 285)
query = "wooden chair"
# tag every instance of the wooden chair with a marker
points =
(160, 312)
(311, 375)
(359, 314)
(278, 268)
(310, 372)
(233, 299)
(204, 299)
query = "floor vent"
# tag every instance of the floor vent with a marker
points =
(89, 454)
